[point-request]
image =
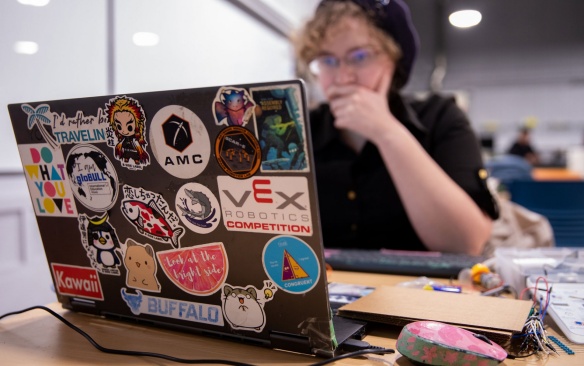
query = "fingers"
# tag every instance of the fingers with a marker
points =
(384, 82)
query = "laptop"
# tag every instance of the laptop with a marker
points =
(193, 209)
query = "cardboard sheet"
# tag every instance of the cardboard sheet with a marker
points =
(497, 318)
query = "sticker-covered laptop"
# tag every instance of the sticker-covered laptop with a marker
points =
(194, 209)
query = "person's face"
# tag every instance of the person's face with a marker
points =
(358, 56)
(235, 102)
(125, 123)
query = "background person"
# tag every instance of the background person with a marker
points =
(392, 171)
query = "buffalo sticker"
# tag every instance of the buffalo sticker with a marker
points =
(243, 307)
(50, 191)
(151, 215)
(101, 243)
(174, 309)
(93, 177)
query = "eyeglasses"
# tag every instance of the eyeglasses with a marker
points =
(357, 59)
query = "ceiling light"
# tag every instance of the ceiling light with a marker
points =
(145, 39)
(26, 47)
(34, 2)
(465, 18)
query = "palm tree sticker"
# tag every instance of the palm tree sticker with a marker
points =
(37, 117)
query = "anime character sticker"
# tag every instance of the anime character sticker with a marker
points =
(233, 107)
(281, 128)
(101, 243)
(128, 122)
(243, 307)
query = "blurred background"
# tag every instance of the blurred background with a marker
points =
(521, 66)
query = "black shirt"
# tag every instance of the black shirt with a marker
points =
(359, 205)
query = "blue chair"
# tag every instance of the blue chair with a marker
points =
(562, 202)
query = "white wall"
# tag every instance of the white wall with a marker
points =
(202, 43)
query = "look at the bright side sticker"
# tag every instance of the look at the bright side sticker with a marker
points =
(46, 175)
(291, 264)
(271, 205)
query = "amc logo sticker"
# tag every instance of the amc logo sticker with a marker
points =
(238, 152)
(271, 205)
(77, 281)
(180, 141)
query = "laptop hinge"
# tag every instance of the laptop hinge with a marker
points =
(290, 342)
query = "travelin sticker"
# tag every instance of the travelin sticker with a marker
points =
(281, 128)
(243, 307)
(180, 141)
(198, 208)
(174, 309)
(101, 243)
(151, 215)
(128, 123)
(198, 270)
(58, 129)
(77, 281)
(291, 264)
(44, 169)
(141, 266)
(233, 107)
(93, 177)
(238, 152)
(271, 205)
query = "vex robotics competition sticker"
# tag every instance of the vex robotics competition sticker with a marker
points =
(291, 264)
(180, 141)
(198, 208)
(93, 177)
(45, 173)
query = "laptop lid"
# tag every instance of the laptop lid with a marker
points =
(193, 209)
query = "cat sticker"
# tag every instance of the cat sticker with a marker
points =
(243, 308)
(141, 265)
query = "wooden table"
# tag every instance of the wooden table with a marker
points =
(36, 338)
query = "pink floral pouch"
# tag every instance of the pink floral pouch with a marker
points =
(435, 343)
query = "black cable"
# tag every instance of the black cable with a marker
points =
(124, 352)
(177, 359)
(379, 351)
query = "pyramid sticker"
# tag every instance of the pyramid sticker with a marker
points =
(291, 270)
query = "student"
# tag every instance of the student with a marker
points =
(392, 172)
(522, 147)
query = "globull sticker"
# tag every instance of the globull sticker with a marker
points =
(271, 205)
(180, 141)
(45, 172)
(93, 177)
(291, 264)
(151, 215)
(170, 308)
(243, 307)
